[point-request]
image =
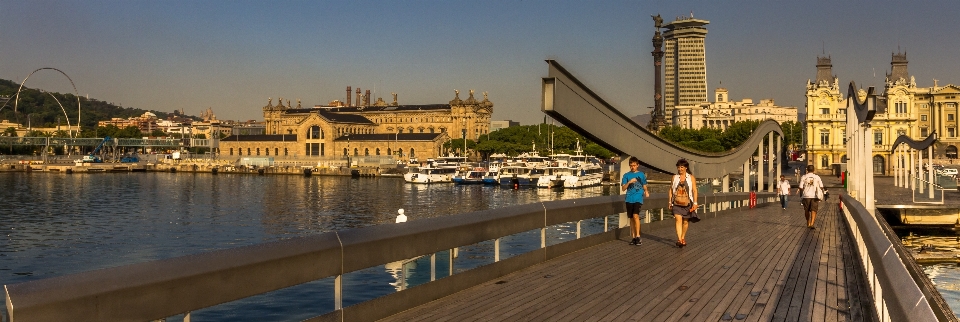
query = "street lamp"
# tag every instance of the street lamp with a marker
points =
(463, 122)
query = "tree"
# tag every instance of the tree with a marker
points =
(10, 131)
(158, 133)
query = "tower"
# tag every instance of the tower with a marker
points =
(685, 65)
(657, 115)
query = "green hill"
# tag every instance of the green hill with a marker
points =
(44, 111)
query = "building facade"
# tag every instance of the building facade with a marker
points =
(723, 112)
(402, 131)
(685, 64)
(910, 110)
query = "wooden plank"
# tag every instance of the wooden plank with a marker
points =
(790, 268)
(781, 246)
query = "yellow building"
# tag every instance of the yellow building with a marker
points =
(402, 131)
(911, 110)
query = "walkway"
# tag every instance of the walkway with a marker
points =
(750, 265)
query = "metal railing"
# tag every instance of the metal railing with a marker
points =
(169, 287)
(896, 295)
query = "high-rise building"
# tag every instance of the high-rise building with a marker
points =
(685, 65)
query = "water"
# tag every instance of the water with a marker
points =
(57, 224)
(945, 276)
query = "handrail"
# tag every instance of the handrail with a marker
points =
(163, 288)
(900, 298)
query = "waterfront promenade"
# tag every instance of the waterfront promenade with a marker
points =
(759, 264)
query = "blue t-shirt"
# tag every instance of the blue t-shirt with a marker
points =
(635, 190)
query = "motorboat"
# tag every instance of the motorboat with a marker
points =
(474, 176)
(584, 175)
(430, 175)
(552, 176)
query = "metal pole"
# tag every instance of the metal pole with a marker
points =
(930, 169)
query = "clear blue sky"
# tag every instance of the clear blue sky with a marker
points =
(233, 55)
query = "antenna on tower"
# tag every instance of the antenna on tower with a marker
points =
(823, 44)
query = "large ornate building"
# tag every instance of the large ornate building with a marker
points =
(723, 112)
(364, 129)
(915, 111)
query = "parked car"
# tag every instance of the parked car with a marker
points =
(949, 172)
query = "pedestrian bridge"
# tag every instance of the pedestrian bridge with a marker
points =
(741, 263)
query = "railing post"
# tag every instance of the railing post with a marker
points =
(433, 267)
(606, 222)
(496, 245)
(543, 237)
(646, 216)
(338, 293)
(661, 214)
(452, 254)
(578, 228)
(186, 317)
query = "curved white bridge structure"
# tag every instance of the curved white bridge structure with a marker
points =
(567, 100)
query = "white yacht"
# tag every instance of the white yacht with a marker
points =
(553, 176)
(431, 175)
(586, 171)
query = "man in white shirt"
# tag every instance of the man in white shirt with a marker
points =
(783, 189)
(812, 188)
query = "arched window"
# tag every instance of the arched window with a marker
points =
(378, 151)
(356, 151)
(276, 151)
(389, 152)
(258, 151)
(412, 155)
(266, 151)
(878, 164)
(248, 151)
(366, 151)
(344, 151)
(231, 151)
(315, 133)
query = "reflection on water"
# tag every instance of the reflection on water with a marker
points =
(937, 252)
(57, 224)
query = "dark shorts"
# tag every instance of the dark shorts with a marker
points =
(810, 204)
(633, 208)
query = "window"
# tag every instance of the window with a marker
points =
(356, 151)
(923, 132)
(276, 151)
(844, 135)
(378, 151)
(231, 151)
(923, 117)
(951, 132)
(878, 138)
(258, 151)
(344, 151)
(412, 155)
(824, 111)
(824, 162)
(389, 152)
(267, 151)
(824, 137)
(248, 151)
(315, 133)
(366, 151)
(949, 117)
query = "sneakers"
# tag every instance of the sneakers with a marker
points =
(636, 241)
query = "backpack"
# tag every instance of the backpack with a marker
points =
(681, 197)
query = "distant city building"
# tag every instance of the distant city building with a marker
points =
(364, 128)
(146, 122)
(722, 112)
(497, 125)
(685, 64)
(911, 110)
(22, 131)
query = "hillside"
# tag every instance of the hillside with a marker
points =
(44, 111)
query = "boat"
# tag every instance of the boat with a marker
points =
(586, 172)
(553, 176)
(491, 177)
(430, 175)
(474, 176)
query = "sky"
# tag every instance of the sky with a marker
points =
(232, 56)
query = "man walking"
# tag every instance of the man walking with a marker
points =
(783, 189)
(634, 183)
(812, 189)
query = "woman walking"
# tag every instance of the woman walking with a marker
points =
(682, 198)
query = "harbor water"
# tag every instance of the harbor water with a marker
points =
(57, 224)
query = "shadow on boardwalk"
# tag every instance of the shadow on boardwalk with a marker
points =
(745, 265)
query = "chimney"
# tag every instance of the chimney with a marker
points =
(366, 98)
(348, 96)
(358, 96)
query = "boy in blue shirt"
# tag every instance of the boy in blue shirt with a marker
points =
(635, 184)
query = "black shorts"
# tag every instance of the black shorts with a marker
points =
(633, 208)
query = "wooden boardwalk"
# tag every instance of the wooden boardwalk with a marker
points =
(747, 265)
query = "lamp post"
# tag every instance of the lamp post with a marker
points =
(463, 123)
